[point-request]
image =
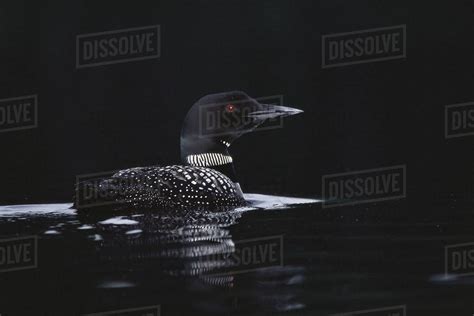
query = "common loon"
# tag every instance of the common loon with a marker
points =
(207, 178)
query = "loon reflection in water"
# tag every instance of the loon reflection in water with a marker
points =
(183, 243)
(157, 251)
(207, 178)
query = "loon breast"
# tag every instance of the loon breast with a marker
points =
(168, 186)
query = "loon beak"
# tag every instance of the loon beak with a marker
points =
(271, 111)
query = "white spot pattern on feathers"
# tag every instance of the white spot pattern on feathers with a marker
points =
(153, 187)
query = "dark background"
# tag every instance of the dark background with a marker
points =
(123, 115)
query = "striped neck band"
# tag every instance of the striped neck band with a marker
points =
(208, 159)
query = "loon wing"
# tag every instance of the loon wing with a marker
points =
(158, 187)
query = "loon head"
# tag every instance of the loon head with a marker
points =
(216, 120)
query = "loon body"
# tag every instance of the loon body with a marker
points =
(206, 179)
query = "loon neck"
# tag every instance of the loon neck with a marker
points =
(209, 153)
(209, 159)
(221, 162)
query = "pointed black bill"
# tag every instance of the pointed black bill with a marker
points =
(271, 111)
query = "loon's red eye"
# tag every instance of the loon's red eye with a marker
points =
(230, 108)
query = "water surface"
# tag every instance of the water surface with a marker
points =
(332, 261)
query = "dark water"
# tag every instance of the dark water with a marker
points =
(332, 261)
